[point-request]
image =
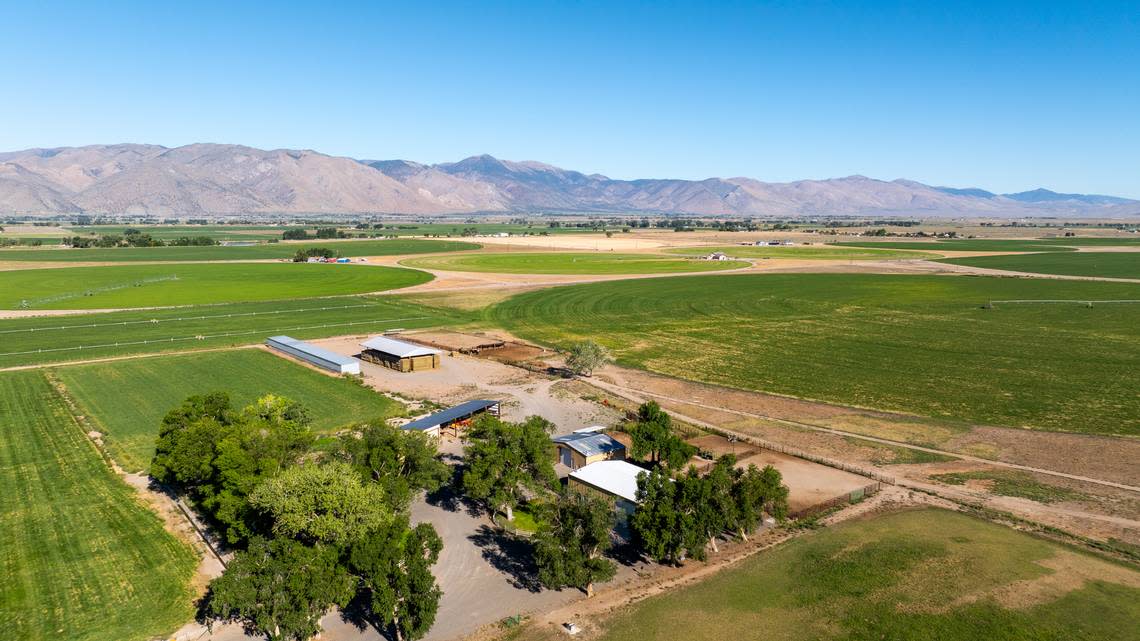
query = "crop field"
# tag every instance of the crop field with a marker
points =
(919, 344)
(35, 341)
(569, 263)
(825, 252)
(456, 229)
(392, 247)
(127, 399)
(169, 232)
(970, 245)
(1109, 264)
(82, 558)
(905, 576)
(124, 286)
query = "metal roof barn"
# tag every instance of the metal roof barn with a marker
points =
(616, 478)
(314, 355)
(432, 424)
(590, 444)
(399, 355)
(402, 349)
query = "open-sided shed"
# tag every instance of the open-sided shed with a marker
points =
(453, 417)
(314, 355)
(399, 355)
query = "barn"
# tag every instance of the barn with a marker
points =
(314, 355)
(585, 447)
(454, 418)
(614, 479)
(399, 355)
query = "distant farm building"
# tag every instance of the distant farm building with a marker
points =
(399, 355)
(314, 355)
(615, 479)
(717, 256)
(583, 448)
(453, 418)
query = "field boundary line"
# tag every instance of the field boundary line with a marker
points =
(875, 439)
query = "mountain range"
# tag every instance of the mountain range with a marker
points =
(203, 179)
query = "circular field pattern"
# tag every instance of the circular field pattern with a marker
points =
(570, 263)
(125, 286)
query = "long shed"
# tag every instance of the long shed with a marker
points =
(399, 355)
(453, 417)
(314, 355)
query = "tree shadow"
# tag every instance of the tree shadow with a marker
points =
(509, 554)
(358, 614)
(448, 497)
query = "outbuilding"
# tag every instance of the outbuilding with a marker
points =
(615, 479)
(314, 355)
(453, 418)
(583, 448)
(399, 355)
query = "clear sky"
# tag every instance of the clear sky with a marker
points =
(1004, 96)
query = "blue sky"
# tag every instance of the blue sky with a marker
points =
(1005, 96)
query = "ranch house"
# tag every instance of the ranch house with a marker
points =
(582, 448)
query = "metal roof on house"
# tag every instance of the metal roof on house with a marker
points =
(461, 411)
(613, 477)
(310, 349)
(397, 348)
(588, 444)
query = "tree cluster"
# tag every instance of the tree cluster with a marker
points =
(303, 255)
(570, 543)
(506, 462)
(135, 238)
(653, 437)
(678, 518)
(311, 529)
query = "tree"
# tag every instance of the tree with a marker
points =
(394, 566)
(280, 588)
(774, 492)
(574, 535)
(404, 462)
(656, 524)
(653, 436)
(587, 356)
(295, 234)
(506, 459)
(720, 511)
(322, 504)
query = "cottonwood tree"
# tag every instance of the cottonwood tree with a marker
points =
(656, 524)
(573, 536)
(506, 460)
(720, 511)
(403, 462)
(394, 566)
(585, 357)
(653, 436)
(281, 588)
(322, 504)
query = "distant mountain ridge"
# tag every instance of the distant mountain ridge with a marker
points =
(233, 179)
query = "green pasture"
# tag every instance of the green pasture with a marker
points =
(569, 263)
(919, 344)
(53, 339)
(127, 399)
(1107, 264)
(455, 230)
(907, 576)
(813, 252)
(83, 559)
(350, 248)
(171, 232)
(120, 286)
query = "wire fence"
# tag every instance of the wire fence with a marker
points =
(1084, 303)
(203, 337)
(846, 498)
(155, 321)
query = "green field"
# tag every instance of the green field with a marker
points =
(569, 263)
(127, 399)
(31, 341)
(122, 286)
(169, 232)
(920, 344)
(965, 245)
(815, 252)
(1109, 264)
(394, 247)
(82, 558)
(908, 576)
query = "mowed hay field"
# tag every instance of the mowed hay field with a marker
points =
(192, 284)
(814, 252)
(126, 400)
(919, 344)
(1104, 264)
(569, 263)
(917, 575)
(391, 247)
(82, 558)
(53, 339)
